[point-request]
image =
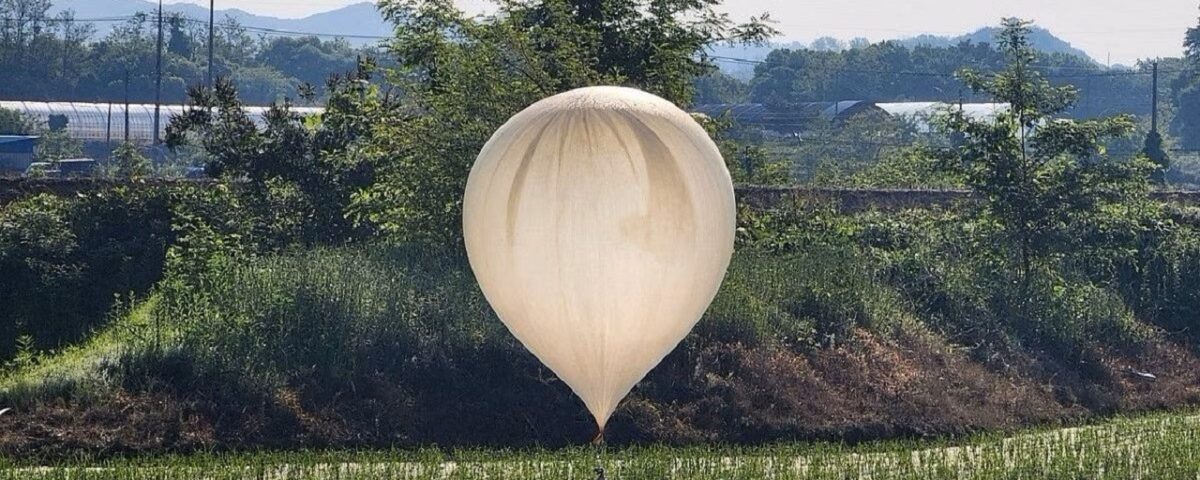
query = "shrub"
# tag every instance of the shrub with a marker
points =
(62, 261)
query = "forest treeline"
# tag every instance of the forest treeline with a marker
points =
(892, 71)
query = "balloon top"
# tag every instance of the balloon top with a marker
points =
(609, 98)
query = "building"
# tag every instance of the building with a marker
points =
(795, 118)
(920, 113)
(16, 153)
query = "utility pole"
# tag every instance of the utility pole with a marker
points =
(1154, 100)
(158, 73)
(127, 104)
(108, 126)
(212, 20)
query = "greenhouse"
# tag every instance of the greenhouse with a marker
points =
(105, 122)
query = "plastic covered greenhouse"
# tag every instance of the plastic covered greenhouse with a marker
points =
(106, 121)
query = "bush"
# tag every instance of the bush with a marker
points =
(62, 261)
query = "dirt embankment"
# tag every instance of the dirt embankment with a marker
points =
(867, 387)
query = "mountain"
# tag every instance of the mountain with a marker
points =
(1041, 39)
(360, 19)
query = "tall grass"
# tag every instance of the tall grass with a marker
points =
(86, 370)
(1159, 446)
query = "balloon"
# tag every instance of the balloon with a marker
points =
(599, 223)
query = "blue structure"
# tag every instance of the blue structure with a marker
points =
(16, 153)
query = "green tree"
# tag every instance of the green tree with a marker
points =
(1187, 121)
(308, 59)
(55, 145)
(129, 162)
(1047, 183)
(13, 122)
(301, 170)
(462, 77)
(719, 88)
(180, 43)
(1153, 150)
(1187, 88)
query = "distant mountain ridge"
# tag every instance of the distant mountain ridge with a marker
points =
(1041, 39)
(361, 19)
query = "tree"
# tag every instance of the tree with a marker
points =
(463, 77)
(307, 59)
(719, 88)
(302, 170)
(13, 122)
(828, 44)
(1187, 88)
(1153, 150)
(55, 145)
(129, 162)
(1046, 181)
(1187, 122)
(180, 42)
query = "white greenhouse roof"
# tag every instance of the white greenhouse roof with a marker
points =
(105, 121)
(921, 112)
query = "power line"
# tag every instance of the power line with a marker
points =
(73, 20)
(249, 28)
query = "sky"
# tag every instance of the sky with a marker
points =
(1118, 30)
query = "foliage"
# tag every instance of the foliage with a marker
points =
(1187, 122)
(914, 167)
(63, 261)
(129, 162)
(1047, 182)
(301, 171)
(55, 145)
(1186, 90)
(749, 163)
(463, 77)
(13, 122)
(719, 88)
(1153, 150)
(826, 150)
(892, 72)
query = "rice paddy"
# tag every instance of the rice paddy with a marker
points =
(1160, 446)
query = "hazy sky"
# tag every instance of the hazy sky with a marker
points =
(1123, 30)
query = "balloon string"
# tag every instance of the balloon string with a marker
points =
(598, 447)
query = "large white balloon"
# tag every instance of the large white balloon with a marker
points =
(599, 223)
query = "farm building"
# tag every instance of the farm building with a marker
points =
(919, 113)
(16, 152)
(791, 119)
(105, 122)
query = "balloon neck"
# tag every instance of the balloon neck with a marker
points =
(598, 444)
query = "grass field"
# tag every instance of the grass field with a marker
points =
(1161, 446)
